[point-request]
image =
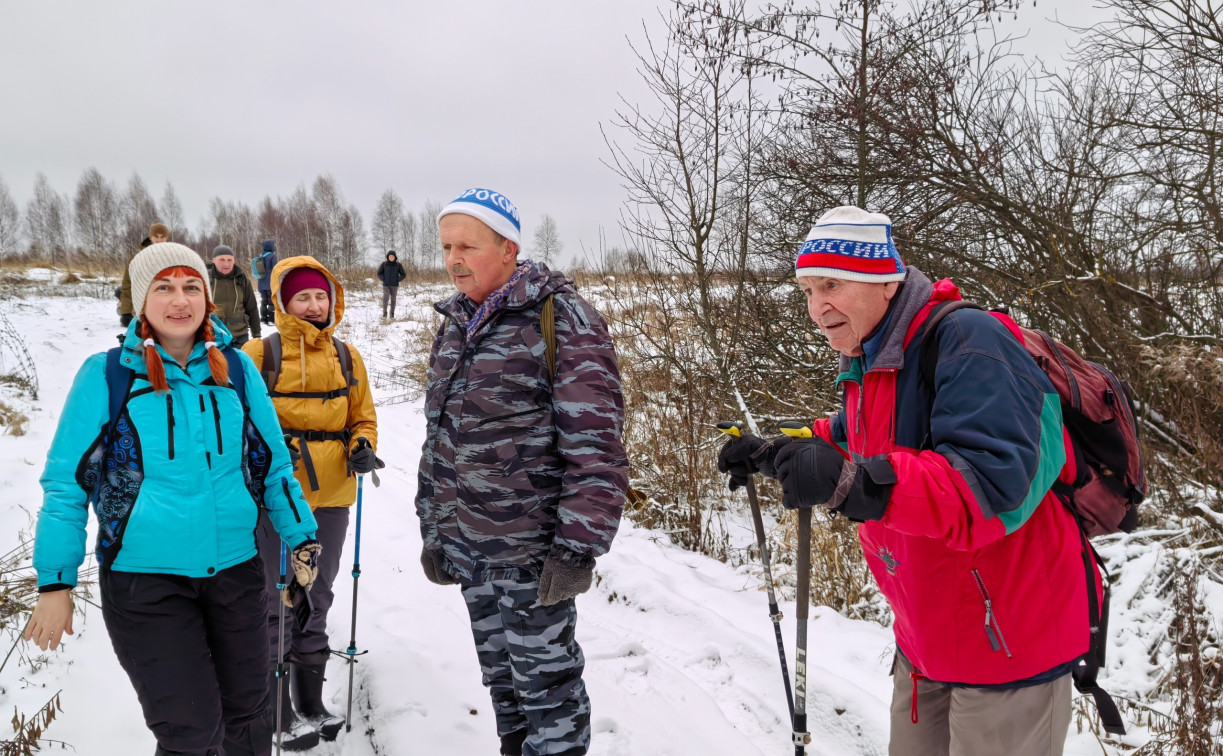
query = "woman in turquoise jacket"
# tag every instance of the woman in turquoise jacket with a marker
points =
(176, 478)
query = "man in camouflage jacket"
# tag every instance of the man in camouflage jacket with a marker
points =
(523, 475)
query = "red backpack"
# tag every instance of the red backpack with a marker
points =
(1110, 481)
(1098, 411)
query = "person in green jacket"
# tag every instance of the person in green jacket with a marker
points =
(234, 296)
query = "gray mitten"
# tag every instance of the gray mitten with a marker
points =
(431, 561)
(564, 575)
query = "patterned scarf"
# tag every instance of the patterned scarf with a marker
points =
(494, 301)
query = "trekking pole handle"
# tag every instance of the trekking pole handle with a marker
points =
(284, 565)
(795, 429)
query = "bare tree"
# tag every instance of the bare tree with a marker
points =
(329, 206)
(411, 257)
(139, 212)
(548, 243)
(352, 242)
(386, 227)
(430, 243)
(98, 217)
(10, 222)
(48, 221)
(172, 212)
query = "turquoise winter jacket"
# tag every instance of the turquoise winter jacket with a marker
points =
(181, 476)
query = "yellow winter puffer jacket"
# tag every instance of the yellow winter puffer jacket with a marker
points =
(309, 364)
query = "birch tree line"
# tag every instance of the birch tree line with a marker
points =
(103, 223)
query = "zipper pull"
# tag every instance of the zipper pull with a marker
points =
(989, 630)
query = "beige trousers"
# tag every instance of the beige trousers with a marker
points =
(951, 721)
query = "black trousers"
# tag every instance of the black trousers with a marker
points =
(267, 310)
(196, 651)
(309, 646)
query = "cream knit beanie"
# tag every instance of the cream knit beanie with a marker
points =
(155, 258)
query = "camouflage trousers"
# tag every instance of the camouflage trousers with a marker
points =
(532, 666)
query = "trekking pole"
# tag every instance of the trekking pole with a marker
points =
(280, 641)
(351, 653)
(732, 429)
(802, 738)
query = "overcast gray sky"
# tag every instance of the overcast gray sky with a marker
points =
(243, 98)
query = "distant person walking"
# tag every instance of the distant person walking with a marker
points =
(234, 296)
(390, 272)
(175, 444)
(157, 233)
(261, 267)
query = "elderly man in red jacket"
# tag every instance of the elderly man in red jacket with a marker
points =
(981, 563)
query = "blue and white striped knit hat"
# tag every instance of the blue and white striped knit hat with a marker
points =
(493, 209)
(849, 243)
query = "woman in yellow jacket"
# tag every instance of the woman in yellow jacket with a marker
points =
(322, 396)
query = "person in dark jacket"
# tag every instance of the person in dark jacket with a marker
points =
(234, 296)
(523, 474)
(266, 260)
(951, 482)
(178, 479)
(158, 232)
(390, 272)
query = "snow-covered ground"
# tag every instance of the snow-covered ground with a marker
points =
(680, 652)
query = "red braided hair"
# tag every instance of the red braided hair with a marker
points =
(217, 364)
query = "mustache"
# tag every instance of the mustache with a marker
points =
(460, 270)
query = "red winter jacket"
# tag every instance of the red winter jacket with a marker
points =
(982, 565)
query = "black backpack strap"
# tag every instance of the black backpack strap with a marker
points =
(1088, 666)
(342, 351)
(928, 345)
(270, 369)
(547, 326)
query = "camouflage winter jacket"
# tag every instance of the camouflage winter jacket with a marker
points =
(516, 466)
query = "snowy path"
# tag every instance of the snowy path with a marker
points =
(680, 652)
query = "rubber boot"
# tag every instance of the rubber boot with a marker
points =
(308, 692)
(299, 735)
(511, 744)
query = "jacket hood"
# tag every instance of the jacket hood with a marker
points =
(391, 254)
(291, 326)
(133, 345)
(538, 283)
(269, 245)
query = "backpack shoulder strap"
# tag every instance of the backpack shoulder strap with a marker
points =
(547, 326)
(237, 376)
(928, 359)
(270, 369)
(341, 350)
(119, 381)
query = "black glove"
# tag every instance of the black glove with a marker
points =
(125, 319)
(362, 460)
(431, 561)
(813, 472)
(744, 456)
(295, 454)
(564, 575)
